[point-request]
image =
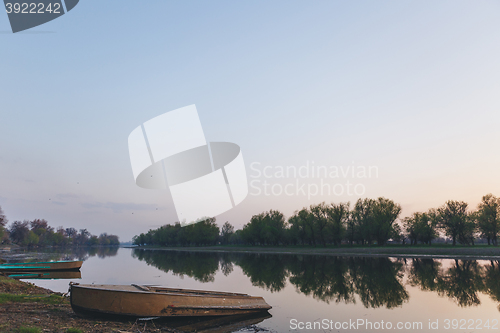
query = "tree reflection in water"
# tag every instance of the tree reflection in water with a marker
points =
(491, 281)
(326, 278)
(201, 266)
(374, 281)
(267, 271)
(424, 273)
(62, 253)
(100, 251)
(462, 282)
(378, 282)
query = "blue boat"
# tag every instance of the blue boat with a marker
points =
(41, 266)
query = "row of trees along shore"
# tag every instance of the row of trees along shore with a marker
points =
(38, 233)
(369, 221)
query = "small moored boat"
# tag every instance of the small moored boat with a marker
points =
(41, 266)
(50, 275)
(148, 301)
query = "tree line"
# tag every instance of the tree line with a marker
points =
(38, 233)
(367, 222)
(203, 233)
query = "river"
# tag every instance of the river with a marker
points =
(321, 292)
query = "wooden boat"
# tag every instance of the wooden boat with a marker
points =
(41, 266)
(148, 301)
(51, 275)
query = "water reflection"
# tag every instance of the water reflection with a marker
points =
(200, 266)
(53, 275)
(491, 281)
(375, 282)
(265, 271)
(462, 282)
(54, 254)
(224, 324)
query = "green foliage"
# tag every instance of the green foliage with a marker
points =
(385, 212)
(47, 299)
(267, 228)
(139, 240)
(24, 329)
(19, 232)
(104, 240)
(339, 217)
(205, 232)
(74, 330)
(421, 227)
(319, 217)
(488, 218)
(362, 216)
(226, 232)
(93, 241)
(322, 223)
(236, 237)
(456, 221)
(373, 220)
(32, 239)
(3, 219)
(3, 222)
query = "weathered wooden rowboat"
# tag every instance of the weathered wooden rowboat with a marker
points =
(147, 301)
(41, 266)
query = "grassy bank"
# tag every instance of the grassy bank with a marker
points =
(435, 251)
(26, 308)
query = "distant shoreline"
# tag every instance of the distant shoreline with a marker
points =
(399, 251)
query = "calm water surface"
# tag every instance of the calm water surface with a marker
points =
(356, 294)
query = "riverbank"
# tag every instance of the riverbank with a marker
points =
(26, 308)
(478, 252)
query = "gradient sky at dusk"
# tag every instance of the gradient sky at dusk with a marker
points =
(411, 87)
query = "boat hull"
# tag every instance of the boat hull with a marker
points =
(50, 275)
(41, 266)
(134, 302)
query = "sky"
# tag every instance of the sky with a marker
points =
(409, 89)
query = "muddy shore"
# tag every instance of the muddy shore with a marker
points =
(25, 307)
